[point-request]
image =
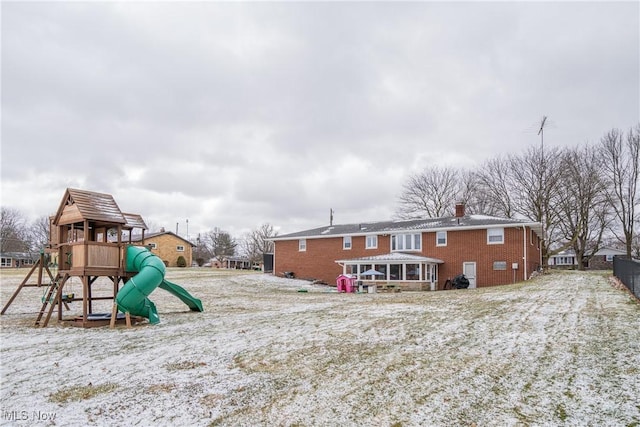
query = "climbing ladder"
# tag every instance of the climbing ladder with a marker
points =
(52, 296)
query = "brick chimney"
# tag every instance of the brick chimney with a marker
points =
(459, 210)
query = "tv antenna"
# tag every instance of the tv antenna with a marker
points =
(541, 132)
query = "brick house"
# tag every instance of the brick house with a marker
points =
(168, 247)
(415, 254)
(17, 259)
(602, 259)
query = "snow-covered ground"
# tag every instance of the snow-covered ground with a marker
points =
(562, 349)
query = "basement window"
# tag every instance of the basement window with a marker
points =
(500, 265)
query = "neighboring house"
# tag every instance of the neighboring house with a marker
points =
(232, 262)
(168, 247)
(17, 259)
(601, 260)
(415, 254)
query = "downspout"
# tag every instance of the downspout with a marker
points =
(524, 250)
(273, 271)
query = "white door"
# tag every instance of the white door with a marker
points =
(469, 270)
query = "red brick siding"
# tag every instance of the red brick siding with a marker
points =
(471, 246)
(318, 261)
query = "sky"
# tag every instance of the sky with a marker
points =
(229, 115)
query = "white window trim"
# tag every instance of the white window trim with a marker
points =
(445, 238)
(302, 245)
(404, 238)
(489, 235)
(180, 248)
(374, 238)
(347, 243)
(153, 245)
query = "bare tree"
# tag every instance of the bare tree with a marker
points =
(13, 231)
(536, 178)
(219, 244)
(200, 252)
(583, 210)
(621, 157)
(431, 193)
(496, 187)
(256, 243)
(39, 232)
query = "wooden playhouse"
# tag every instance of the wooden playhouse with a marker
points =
(89, 235)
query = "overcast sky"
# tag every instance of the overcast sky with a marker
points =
(231, 115)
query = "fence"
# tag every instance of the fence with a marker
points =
(628, 272)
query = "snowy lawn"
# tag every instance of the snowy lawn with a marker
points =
(562, 349)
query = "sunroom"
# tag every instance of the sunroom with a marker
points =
(407, 271)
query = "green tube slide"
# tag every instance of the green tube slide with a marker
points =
(133, 297)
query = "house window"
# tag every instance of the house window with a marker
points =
(372, 242)
(395, 271)
(5, 262)
(346, 242)
(565, 260)
(441, 238)
(180, 248)
(153, 245)
(302, 245)
(412, 272)
(406, 242)
(495, 236)
(608, 258)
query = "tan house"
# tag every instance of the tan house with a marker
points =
(168, 247)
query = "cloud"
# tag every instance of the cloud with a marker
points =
(235, 114)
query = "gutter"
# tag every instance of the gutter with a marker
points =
(406, 230)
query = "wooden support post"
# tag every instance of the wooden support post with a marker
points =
(114, 315)
(85, 300)
(128, 319)
(24, 283)
(89, 296)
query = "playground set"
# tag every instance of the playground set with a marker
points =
(91, 238)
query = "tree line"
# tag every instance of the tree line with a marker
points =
(220, 244)
(584, 196)
(17, 234)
